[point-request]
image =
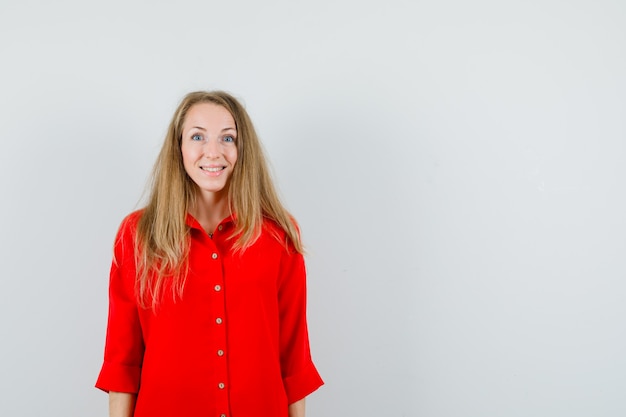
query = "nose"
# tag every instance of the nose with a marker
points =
(211, 148)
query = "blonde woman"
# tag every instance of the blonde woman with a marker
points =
(207, 313)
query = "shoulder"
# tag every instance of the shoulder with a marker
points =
(130, 222)
(270, 226)
(273, 229)
(275, 233)
(133, 218)
(127, 231)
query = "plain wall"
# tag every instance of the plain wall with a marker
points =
(457, 169)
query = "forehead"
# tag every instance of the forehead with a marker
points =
(208, 115)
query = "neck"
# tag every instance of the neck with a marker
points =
(210, 209)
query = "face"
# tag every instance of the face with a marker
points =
(208, 147)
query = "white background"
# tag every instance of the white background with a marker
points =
(457, 169)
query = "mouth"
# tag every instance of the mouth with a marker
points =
(212, 169)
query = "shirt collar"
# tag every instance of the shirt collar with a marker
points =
(195, 224)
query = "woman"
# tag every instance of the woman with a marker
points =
(207, 313)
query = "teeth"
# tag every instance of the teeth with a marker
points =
(212, 169)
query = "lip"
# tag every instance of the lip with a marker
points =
(212, 170)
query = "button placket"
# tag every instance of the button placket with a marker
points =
(214, 254)
(218, 312)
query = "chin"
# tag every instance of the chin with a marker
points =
(213, 189)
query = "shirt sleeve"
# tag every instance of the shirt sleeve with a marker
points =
(300, 377)
(123, 353)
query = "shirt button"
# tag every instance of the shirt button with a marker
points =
(220, 227)
(222, 415)
(221, 385)
(218, 320)
(214, 256)
(220, 352)
(217, 287)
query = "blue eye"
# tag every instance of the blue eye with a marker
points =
(196, 137)
(229, 139)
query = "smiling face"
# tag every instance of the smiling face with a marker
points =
(208, 147)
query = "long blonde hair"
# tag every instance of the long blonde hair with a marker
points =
(162, 240)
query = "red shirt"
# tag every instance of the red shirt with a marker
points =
(235, 345)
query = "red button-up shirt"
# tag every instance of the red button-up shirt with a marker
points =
(235, 345)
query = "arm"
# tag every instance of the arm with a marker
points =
(297, 409)
(124, 347)
(122, 404)
(300, 377)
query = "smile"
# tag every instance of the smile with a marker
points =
(213, 169)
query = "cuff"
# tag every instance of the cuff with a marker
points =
(119, 378)
(302, 384)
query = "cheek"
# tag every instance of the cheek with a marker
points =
(189, 161)
(232, 156)
(187, 155)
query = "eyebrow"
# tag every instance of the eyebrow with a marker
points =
(223, 130)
